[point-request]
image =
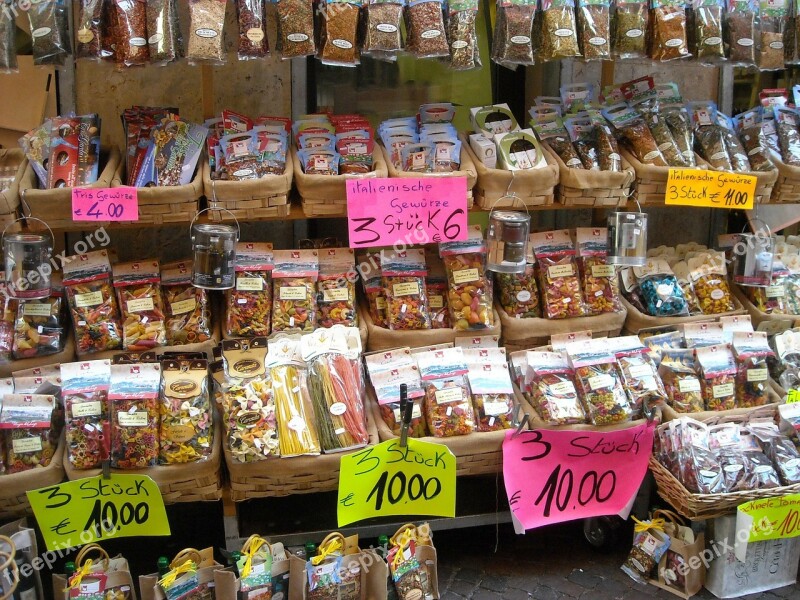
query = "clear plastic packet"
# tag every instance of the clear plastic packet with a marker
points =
(786, 122)
(681, 381)
(707, 19)
(639, 376)
(39, 329)
(89, 28)
(760, 473)
(679, 123)
(8, 38)
(403, 280)
(779, 449)
(187, 425)
(559, 277)
(740, 24)
(700, 469)
(519, 294)
(661, 294)
(84, 388)
(49, 23)
(296, 28)
(383, 37)
(791, 285)
(630, 27)
(699, 335)
(648, 548)
(599, 384)
(470, 286)
(252, 17)
(294, 294)
(131, 28)
(584, 139)
(438, 305)
(163, 30)
(425, 31)
(376, 301)
(206, 42)
(513, 33)
(681, 270)
(492, 391)
(649, 109)
(551, 131)
(594, 25)
(248, 305)
(138, 288)
(709, 278)
(552, 388)
(462, 36)
(668, 26)
(187, 309)
(774, 23)
(661, 342)
(724, 440)
(718, 373)
(599, 280)
(336, 299)
(755, 146)
(632, 130)
(739, 159)
(559, 31)
(448, 407)
(29, 437)
(387, 371)
(134, 407)
(607, 148)
(752, 350)
(339, 33)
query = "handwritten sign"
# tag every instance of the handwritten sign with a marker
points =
(555, 476)
(793, 396)
(105, 204)
(386, 479)
(413, 211)
(710, 189)
(91, 509)
(767, 519)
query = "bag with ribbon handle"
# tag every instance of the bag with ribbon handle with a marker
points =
(650, 542)
(96, 578)
(412, 557)
(335, 573)
(24, 539)
(9, 569)
(261, 571)
(188, 564)
(676, 571)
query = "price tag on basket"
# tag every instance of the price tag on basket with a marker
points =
(554, 476)
(99, 508)
(766, 519)
(710, 189)
(105, 204)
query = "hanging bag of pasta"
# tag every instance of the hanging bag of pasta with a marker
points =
(559, 31)
(249, 304)
(187, 309)
(513, 33)
(138, 286)
(669, 31)
(187, 421)
(294, 295)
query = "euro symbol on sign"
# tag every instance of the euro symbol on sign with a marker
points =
(515, 498)
(57, 529)
(347, 500)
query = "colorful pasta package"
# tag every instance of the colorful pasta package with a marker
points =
(491, 387)
(599, 383)
(249, 304)
(699, 335)
(639, 374)
(710, 282)
(661, 294)
(244, 393)
(519, 294)
(470, 294)
(773, 298)
(387, 371)
(403, 277)
(133, 399)
(138, 286)
(551, 382)
(294, 409)
(752, 350)
(294, 295)
(187, 309)
(718, 376)
(436, 283)
(92, 303)
(28, 435)
(558, 274)
(85, 393)
(448, 409)
(336, 288)
(187, 423)
(40, 327)
(600, 282)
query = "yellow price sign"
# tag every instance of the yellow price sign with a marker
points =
(710, 189)
(770, 518)
(793, 396)
(387, 479)
(96, 508)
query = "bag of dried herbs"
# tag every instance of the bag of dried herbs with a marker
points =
(740, 26)
(425, 32)
(552, 132)
(749, 126)
(671, 107)
(594, 24)
(8, 38)
(774, 21)
(88, 28)
(668, 27)
(709, 135)
(296, 28)
(734, 147)
(558, 35)
(131, 42)
(647, 106)
(252, 17)
(584, 139)
(339, 33)
(630, 27)
(630, 128)
(706, 19)
(383, 37)
(462, 36)
(163, 30)
(206, 36)
(513, 31)
(48, 21)
(786, 122)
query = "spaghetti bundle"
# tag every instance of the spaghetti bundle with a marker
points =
(297, 433)
(338, 403)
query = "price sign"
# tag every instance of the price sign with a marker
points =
(767, 519)
(793, 396)
(384, 212)
(92, 509)
(105, 204)
(386, 479)
(710, 189)
(555, 476)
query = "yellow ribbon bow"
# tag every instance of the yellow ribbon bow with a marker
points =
(654, 524)
(254, 545)
(329, 549)
(173, 574)
(78, 576)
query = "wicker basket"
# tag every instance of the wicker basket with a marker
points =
(55, 206)
(9, 198)
(476, 453)
(787, 185)
(380, 338)
(162, 205)
(189, 482)
(651, 182)
(499, 188)
(65, 356)
(326, 195)
(251, 199)
(13, 499)
(523, 334)
(636, 320)
(288, 476)
(579, 187)
(771, 323)
(468, 169)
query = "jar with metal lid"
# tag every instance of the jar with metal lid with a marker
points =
(214, 252)
(627, 239)
(507, 241)
(27, 264)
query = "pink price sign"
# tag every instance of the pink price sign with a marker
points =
(553, 476)
(105, 204)
(411, 211)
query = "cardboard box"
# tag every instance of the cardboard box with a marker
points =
(485, 149)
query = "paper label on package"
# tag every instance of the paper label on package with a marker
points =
(436, 301)
(691, 384)
(599, 382)
(250, 284)
(405, 289)
(454, 394)
(465, 276)
(293, 293)
(183, 306)
(137, 419)
(25, 445)
(88, 299)
(563, 388)
(140, 305)
(87, 409)
(639, 371)
(336, 295)
(36, 309)
(599, 271)
(560, 271)
(757, 375)
(723, 391)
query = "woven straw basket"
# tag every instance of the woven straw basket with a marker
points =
(771, 323)
(161, 205)
(636, 320)
(252, 199)
(787, 184)
(579, 187)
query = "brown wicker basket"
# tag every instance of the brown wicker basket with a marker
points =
(499, 188)
(636, 320)
(13, 499)
(771, 323)
(468, 170)
(651, 182)
(381, 338)
(257, 199)
(162, 205)
(326, 195)
(287, 476)
(787, 184)
(579, 187)
(189, 482)
(54, 207)
(523, 334)
(11, 159)
(66, 355)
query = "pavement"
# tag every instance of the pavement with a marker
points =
(554, 562)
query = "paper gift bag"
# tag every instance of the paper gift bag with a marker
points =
(425, 554)
(203, 559)
(681, 569)
(115, 569)
(24, 539)
(227, 581)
